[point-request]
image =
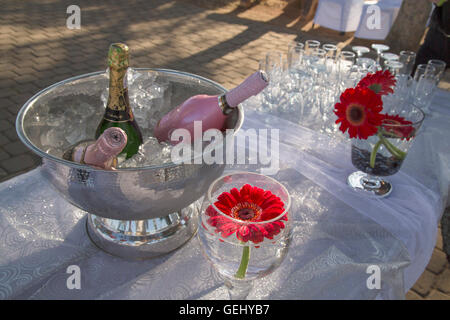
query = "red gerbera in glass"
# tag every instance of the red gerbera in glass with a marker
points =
(250, 204)
(359, 112)
(398, 126)
(380, 82)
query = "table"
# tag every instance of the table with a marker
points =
(338, 235)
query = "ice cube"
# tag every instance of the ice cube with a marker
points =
(53, 138)
(138, 160)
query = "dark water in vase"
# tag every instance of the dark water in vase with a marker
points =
(384, 166)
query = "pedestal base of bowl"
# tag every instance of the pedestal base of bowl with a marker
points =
(144, 239)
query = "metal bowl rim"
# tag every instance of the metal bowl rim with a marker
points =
(23, 137)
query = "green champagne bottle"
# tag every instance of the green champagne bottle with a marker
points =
(118, 112)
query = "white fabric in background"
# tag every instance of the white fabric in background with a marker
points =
(340, 15)
(389, 10)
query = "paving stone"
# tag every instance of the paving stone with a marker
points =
(437, 262)
(411, 295)
(443, 283)
(439, 240)
(3, 174)
(15, 148)
(437, 295)
(424, 284)
(3, 139)
(11, 134)
(18, 163)
(3, 155)
(5, 102)
(5, 125)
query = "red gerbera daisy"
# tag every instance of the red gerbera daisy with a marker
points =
(250, 204)
(398, 126)
(380, 82)
(359, 112)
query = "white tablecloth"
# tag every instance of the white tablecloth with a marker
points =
(338, 234)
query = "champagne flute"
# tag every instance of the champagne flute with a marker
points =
(388, 56)
(379, 48)
(367, 65)
(331, 51)
(408, 58)
(295, 56)
(439, 66)
(360, 50)
(311, 45)
(424, 85)
(346, 62)
(395, 67)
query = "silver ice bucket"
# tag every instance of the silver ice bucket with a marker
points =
(134, 213)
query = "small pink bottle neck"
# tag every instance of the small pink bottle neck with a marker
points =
(250, 87)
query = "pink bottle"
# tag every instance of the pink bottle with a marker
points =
(101, 154)
(212, 111)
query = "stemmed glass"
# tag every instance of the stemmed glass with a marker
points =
(408, 58)
(395, 67)
(439, 66)
(360, 50)
(331, 81)
(245, 228)
(346, 63)
(331, 56)
(311, 45)
(294, 58)
(331, 51)
(379, 48)
(295, 53)
(273, 65)
(424, 85)
(388, 56)
(367, 65)
(382, 154)
(318, 65)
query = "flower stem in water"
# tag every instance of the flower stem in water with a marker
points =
(240, 274)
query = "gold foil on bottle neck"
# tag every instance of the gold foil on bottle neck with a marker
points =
(118, 56)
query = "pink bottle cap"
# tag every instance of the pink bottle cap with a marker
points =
(108, 146)
(112, 141)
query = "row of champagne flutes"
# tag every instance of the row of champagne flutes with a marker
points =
(417, 86)
(307, 81)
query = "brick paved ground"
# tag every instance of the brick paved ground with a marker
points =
(37, 50)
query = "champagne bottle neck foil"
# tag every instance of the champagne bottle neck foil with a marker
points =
(118, 56)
